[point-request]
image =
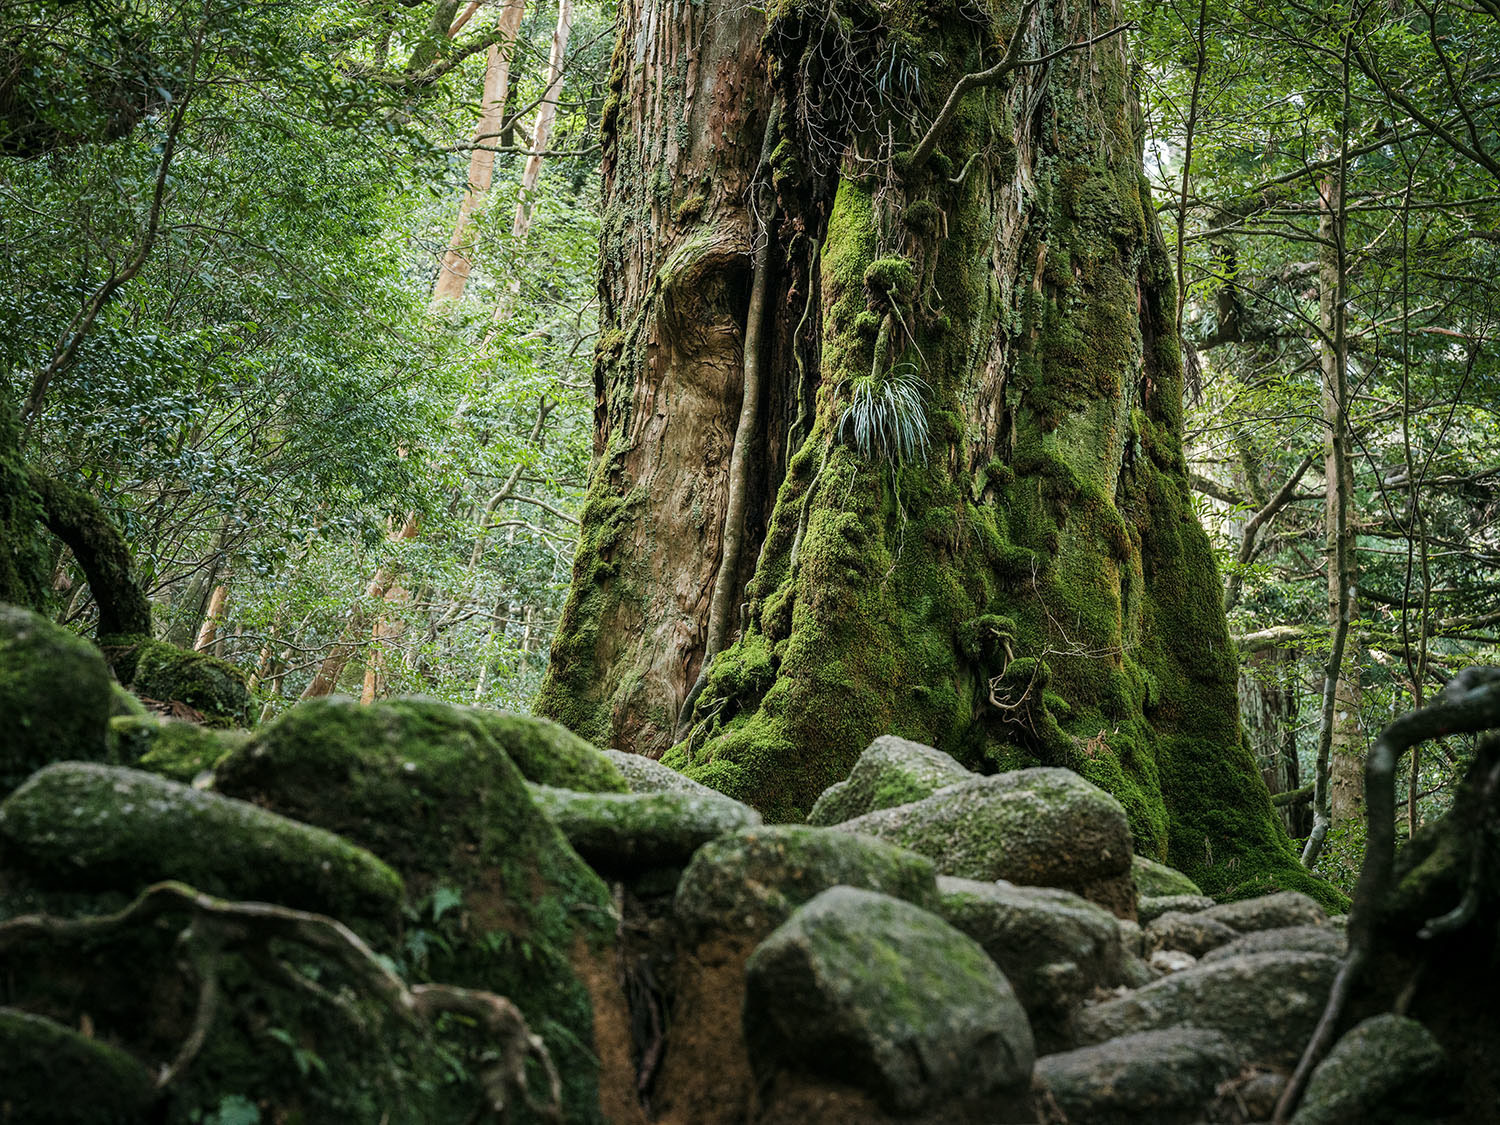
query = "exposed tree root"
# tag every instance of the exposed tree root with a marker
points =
(219, 926)
(1470, 703)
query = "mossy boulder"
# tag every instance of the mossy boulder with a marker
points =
(1054, 947)
(629, 833)
(643, 775)
(1155, 880)
(1038, 827)
(172, 748)
(1266, 1004)
(1293, 939)
(85, 826)
(1188, 933)
(508, 905)
(55, 697)
(214, 688)
(892, 771)
(1163, 1077)
(751, 881)
(1388, 1070)
(549, 753)
(1149, 907)
(865, 989)
(52, 1075)
(1268, 912)
(122, 703)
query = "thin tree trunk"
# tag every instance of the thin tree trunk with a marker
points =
(546, 114)
(213, 619)
(1337, 725)
(325, 680)
(458, 261)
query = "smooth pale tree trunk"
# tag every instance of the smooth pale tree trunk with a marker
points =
(1030, 585)
(325, 680)
(546, 116)
(213, 620)
(458, 261)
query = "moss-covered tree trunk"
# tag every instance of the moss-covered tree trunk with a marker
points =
(972, 526)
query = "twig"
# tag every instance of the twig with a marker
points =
(998, 73)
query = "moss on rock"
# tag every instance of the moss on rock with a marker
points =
(628, 833)
(1040, 827)
(422, 784)
(549, 753)
(95, 827)
(892, 771)
(170, 748)
(55, 696)
(211, 686)
(751, 881)
(1156, 880)
(52, 1075)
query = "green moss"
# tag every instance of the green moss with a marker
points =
(888, 277)
(55, 696)
(425, 786)
(690, 208)
(211, 686)
(550, 754)
(92, 827)
(53, 1075)
(169, 748)
(923, 217)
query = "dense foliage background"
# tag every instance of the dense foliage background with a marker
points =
(221, 224)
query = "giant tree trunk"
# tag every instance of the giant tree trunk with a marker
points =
(1027, 586)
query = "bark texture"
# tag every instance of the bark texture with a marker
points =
(973, 526)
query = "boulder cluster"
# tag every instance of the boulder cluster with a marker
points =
(935, 946)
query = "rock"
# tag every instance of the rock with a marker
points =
(169, 747)
(52, 1075)
(1054, 947)
(122, 703)
(1149, 908)
(751, 881)
(78, 825)
(1306, 939)
(643, 775)
(55, 696)
(892, 771)
(862, 988)
(1268, 912)
(512, 908)
(1385, 1070)
(1171, 961)
(1132, 937)
(1267, 1004)
(549, 753)
(1190, 933)
(1163, 1077)
(212, 687)
(1038, 827)
(1157, 880)
(625, 833)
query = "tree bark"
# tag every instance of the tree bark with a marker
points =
(1007, 565)
(458, 261)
